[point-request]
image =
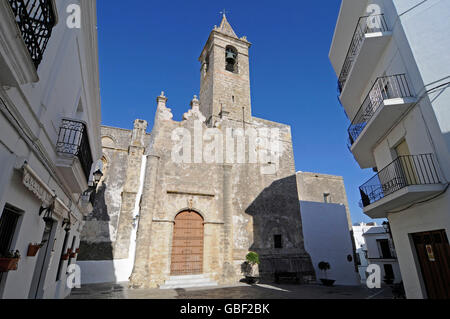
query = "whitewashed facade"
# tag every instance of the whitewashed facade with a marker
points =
(394, 75)
(49, 139)
(327, 239)
(381, 252)
(361, 248)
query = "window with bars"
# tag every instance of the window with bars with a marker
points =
(8, 225)
(35, 19)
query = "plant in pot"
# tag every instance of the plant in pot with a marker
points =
(324, 267)
(252, 260)
(9, 261)
(34, 248)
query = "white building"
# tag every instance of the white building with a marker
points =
(361, 248)
(49, 140)
(381, 252)
(327, 226)
(327, 239)
(371, 242)
(393, 64)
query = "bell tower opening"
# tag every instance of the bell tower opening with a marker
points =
(231, 60)
(225, 76)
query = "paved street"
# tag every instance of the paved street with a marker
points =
(241, 291)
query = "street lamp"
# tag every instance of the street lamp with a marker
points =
(97, 177)
(387, 227)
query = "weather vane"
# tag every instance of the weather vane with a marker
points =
(223, 12)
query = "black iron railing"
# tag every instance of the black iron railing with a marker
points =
(384, 88)
(404, 171)
(36, 20)
(73, 140)
(367, 24)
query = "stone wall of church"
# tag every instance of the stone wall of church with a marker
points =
(242, 208)
(100, 231)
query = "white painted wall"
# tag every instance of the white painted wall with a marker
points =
(327, 238)
(361, 247)
(118, 270)
(420, 48)
(68, 77)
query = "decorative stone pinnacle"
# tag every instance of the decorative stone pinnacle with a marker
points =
(161, 99)
(195, 104)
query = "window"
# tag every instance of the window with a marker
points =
(326, 197)
(389, 271)
(384, 249)
(8, 224)
(231, 59)
(207, 63)
(35, 19)
(277, 241)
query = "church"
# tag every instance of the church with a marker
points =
(157, 218)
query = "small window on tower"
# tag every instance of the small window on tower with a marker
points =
(231, 59)
(277, 240)
(326, 197)
(207, 63)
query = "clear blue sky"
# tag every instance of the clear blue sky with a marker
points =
(151, 46)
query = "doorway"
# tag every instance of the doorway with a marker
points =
(187, 244)
(43, 261)
(407, 165)
(433, 252)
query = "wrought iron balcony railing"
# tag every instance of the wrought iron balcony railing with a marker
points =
(73, 140)
(367, 24)
(404, 171)
(36, 20)
(384, 88)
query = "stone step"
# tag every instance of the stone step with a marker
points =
(201, 276)
(198, 285)
(189, 281)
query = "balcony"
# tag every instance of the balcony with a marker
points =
(388, 99)
(74, 154)
(404, 181)
(370, 38)
(26, 29)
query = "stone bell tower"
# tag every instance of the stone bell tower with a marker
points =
(225, 78)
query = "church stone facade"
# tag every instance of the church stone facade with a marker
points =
(186, 218)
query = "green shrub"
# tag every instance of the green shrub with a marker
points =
(252, 258)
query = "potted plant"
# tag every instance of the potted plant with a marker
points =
(77, 250)
(73, 255)
(324, 266)
(66, 255)
(252, 260)
(34, 248)
(9, 261)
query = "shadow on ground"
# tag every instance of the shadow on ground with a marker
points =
(240, 291)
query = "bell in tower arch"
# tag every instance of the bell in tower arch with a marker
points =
(230, 58)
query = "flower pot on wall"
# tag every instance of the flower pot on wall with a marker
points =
(72, 255)
(77, 250)
(33, 250)
(8, 264)
(65, 257)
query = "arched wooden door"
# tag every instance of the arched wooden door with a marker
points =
(187, 244)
